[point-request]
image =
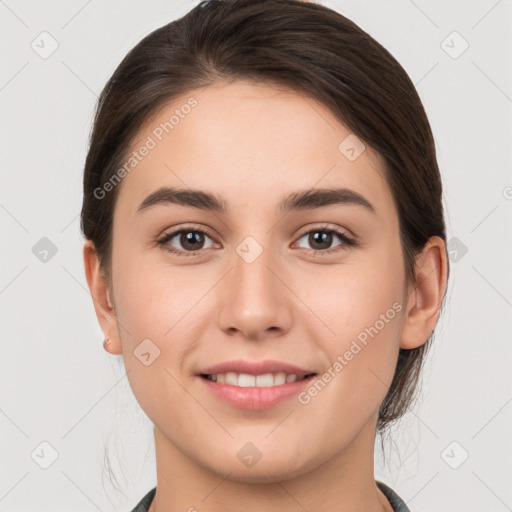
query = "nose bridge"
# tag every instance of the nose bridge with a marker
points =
(254, 299)
(251, 268)
(251, 274)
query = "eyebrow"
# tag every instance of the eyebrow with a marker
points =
(302, 200)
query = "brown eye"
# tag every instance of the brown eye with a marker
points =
(191, 240)
(321, 240)
(188, 240)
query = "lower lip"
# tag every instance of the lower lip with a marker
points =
(253, 397)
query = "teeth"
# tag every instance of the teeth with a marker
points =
(244, 380)
(231, 379)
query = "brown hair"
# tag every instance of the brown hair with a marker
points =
(300, 45)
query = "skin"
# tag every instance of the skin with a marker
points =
(253, 145)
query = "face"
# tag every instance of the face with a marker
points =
(318, 285)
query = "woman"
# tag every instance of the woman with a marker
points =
(265, 246)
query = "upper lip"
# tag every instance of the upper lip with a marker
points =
(255, 368)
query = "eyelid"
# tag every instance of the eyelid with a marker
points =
(185, 227)
(328, 227)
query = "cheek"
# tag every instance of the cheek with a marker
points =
(155, 304)
(365, 312)
(362, 306)
(353, 299)
(148, 299)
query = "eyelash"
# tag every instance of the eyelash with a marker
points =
(347, 241)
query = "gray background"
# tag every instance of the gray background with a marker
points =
(60, 388)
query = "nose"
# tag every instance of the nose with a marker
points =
(254, 301)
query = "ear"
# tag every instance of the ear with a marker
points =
(101, 296)
(425, 294)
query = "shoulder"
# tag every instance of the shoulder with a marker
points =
(397, 503)
(145, 502)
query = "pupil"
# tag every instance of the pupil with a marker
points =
(324, 237)
(191, 237)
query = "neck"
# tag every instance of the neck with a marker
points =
(343, 482)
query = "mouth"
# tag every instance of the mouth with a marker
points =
(255, 392)
(246, 380)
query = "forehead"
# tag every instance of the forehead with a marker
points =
(242, 141)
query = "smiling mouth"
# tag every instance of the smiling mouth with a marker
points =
(245, 380)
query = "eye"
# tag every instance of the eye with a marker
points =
(322, 238)
(191, 240)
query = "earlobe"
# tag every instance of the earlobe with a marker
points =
(100, 293)
(425, 295)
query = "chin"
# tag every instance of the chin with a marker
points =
(266, 470)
